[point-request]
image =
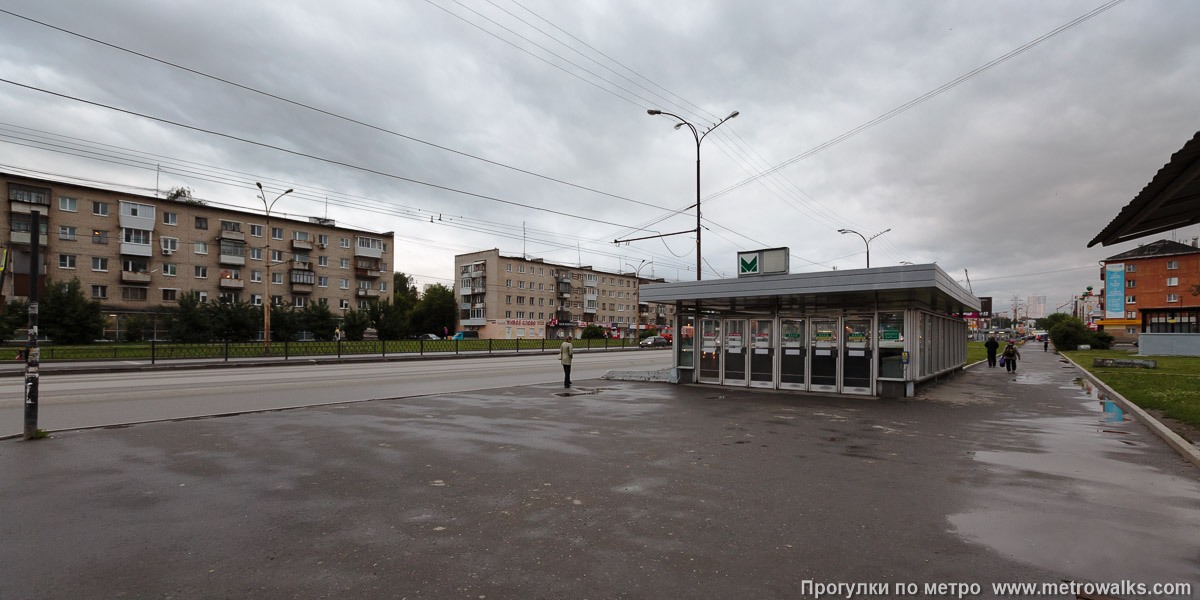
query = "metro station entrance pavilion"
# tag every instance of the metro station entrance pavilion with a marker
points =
(875, 332)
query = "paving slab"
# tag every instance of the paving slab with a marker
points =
(613, 490)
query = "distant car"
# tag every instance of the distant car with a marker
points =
(466, 335)
(655, 340)
(426, 337)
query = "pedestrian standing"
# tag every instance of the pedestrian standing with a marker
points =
(337, 334)
(991, 346)
(564, 356)
(1011, 354)
(1046, 345)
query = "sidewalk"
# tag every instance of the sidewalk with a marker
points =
(612, 489)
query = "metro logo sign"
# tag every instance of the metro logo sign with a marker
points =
(748, 265)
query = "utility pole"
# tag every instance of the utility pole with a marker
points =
(32, 353)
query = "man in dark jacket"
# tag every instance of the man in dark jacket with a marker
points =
(991, 346)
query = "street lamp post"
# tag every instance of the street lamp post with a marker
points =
(637, 274)
(267, 282)
(866, 240)
(699, 138)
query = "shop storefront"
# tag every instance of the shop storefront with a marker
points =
(867, 331)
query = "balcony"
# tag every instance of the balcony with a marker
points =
(465, 306)
(474, 322)
(302, 288)
(478, 305)
(231, 259)
(590, 298)
(563, 294)
(135, 277)
(368, 252)
(566, 280)
(368, 293)
(23, 237)
(301, 245)
(589, 309)
(228, 283)
(130, 249)
(236, 236)
(368, 274)
(301, 265)
(464, 291)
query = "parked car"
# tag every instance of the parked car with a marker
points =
(426, 336)
(655, 340)
(466, 335)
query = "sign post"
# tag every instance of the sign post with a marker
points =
(31, 346)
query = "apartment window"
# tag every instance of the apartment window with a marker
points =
(256, 230)
(231, 226)
(276, 300)
(256, 253)
(344, 284)
(228, 297)
(133, 293)
(521, 285)
(1130, 283)
(135, 236)
(201, 222)
(345, 263)
(1130, 299)
(304, 277)
(345, 242)
(1131, 314)
(343, 304)
(66, 261)
(383, 286)
(1131, 330)
(170, 269)
(99, 237)
(364, 285)
(508, 314)
(520, 314)
(520, 299)
(541, 301)
(255, 276)
(256, 299)
(170, 218)
(277, 256)
(169, 243)
(323, 301)
(99, 291)
(322, 261)
(1172, 265)
(231, 274)
(1172, 297)
(322, 282)
(277, 233)
(32, 195)
(520, 269)
(277, 278)
(66, 233)
(300, 301)
(170, 295)
(100, 209)
(1130, 268)
(323, 239)
(508, 299)
(133, 209)
(507, 283)
(541, 271)
(300, 235)
(68, 205)
(99, 263)
(201, 247)
(1172, 281)
(201, 272)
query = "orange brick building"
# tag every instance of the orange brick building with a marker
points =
(1159, 280)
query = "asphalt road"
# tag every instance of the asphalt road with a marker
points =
(86, 400)
(631, 491)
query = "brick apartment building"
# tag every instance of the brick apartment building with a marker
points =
(138, 254)
(512, 297)
(1158, 290)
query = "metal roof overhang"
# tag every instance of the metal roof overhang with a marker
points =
(1171, 200)
(926, 286)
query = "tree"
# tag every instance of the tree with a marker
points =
(390, 321)
(1070, 332)
(136, 327)
(16, 316)
(189, 320)
(435, 312)
(404, 292)
(285, 323)
(67, 317)
(354, 324)
(317, 320)
(233, 321)
(593, 332)
(648, 332)
(1048, 322)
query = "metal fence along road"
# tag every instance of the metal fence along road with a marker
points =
(161, 351)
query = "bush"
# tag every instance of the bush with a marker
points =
(67, 317)
(593, 332)
(1070, 332)
(647, 333)
(136, 327)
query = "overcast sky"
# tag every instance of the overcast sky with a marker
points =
(1008, 174)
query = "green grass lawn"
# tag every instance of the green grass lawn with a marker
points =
(976, 352)
(1173, 388)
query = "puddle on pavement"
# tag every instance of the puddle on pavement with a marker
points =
(1111, 411)
(580, 392)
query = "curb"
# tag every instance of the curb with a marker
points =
(66, 369)
(1182, 446)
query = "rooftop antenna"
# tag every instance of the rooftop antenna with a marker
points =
(326, 208)
(157, 172)
(579, 254)
(523, 254)
(968, 281)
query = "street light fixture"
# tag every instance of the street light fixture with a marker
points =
(637, 275)
(866, 240)
(699, 138)
(267, 282)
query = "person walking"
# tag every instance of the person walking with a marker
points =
(564, 356)
(1011, 354)
(1046, 345)
(991, 346)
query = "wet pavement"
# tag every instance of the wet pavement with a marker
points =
(616, 490)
